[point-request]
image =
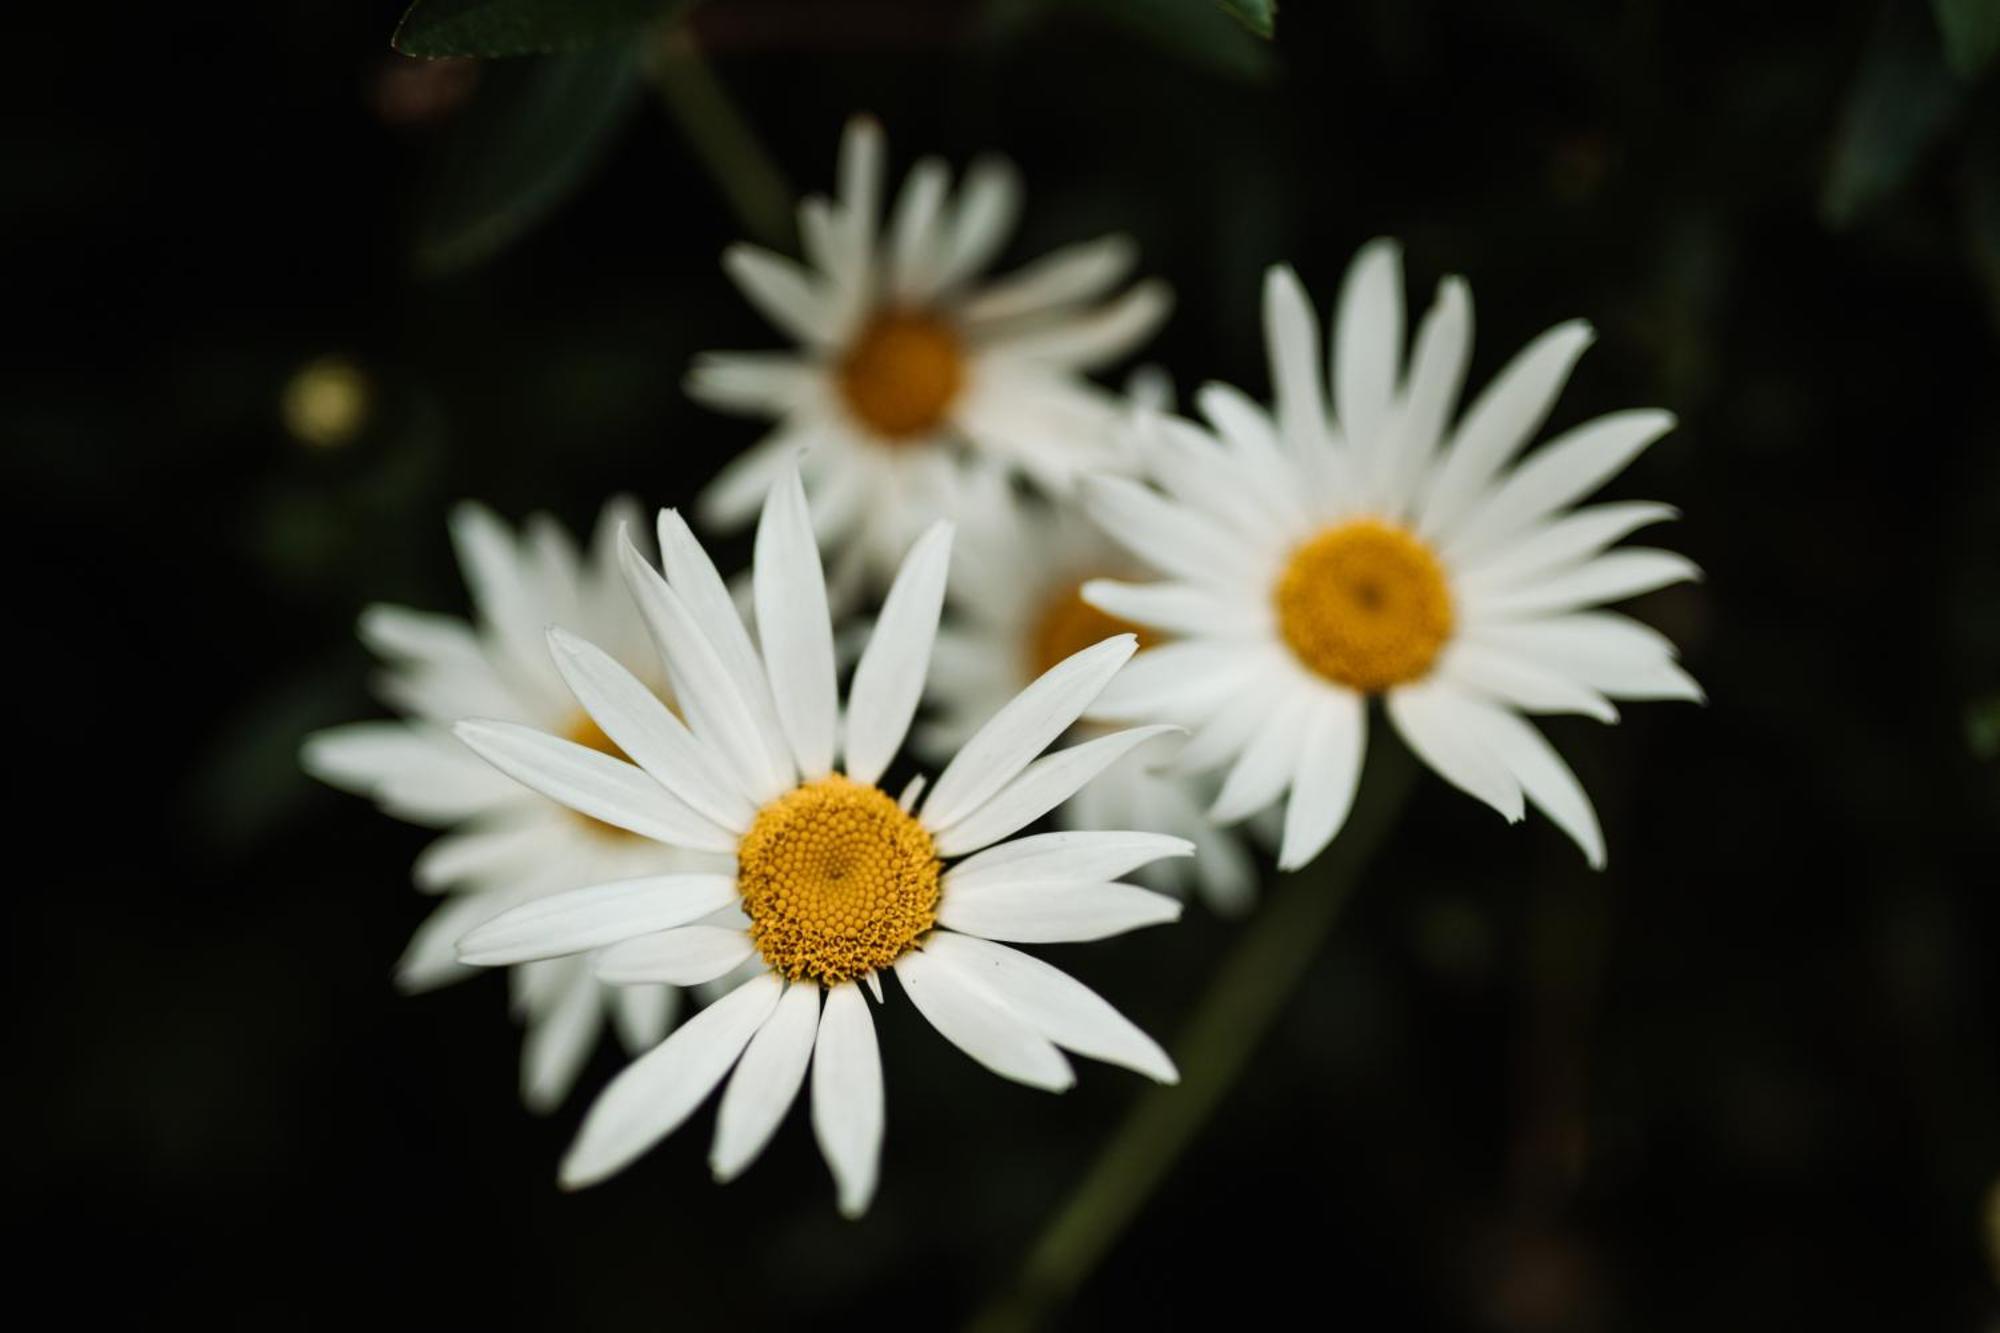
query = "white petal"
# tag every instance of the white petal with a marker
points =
(430, 959)
(889, 680)
(414, 772)
(1324, 777)
(660, 1089)
(687, 956)
(1058, 857)
(1440, 722)
(989, 203)
(1056, 1004)
(645, 729)
(1172, 538)
(847, 1096)
(477, 855)
(721, 699)
(738, 490)
(1613, 576)
(1177, 608)
(794, 626)
(1555, 545)
(422, 637)
(1089, 341)
(1072, 275)
(766, 1081)
(558, 1042)
(1055, 913)
(1437, 373)
(1510, 678)
(606, 789)
(1559, 473)
(1368, 343)
(1040, 788)
(1603, 649)
(1547, 780)
(1499, 423)
(971, 1018)
(643, 1014)
(1264, 769)
(757, 384)
(1022, 729)
(913, 231)
(565, 923)
(783, 293)
(1181, 680)
(1291, 339)
(860, 182)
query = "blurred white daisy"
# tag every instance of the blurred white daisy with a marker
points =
(1313, 563)
(507, 844)
(837, 880)
(1017, 610)
(910, 368)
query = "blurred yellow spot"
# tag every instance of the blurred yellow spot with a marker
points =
(326, 401)
(1365, 604)
(902, 373)
(837, 881)
(1067, 625)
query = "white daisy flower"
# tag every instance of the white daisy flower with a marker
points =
(910, 369)
(507, 844)
(1313, 564)
(1017, 611)
(836, 879)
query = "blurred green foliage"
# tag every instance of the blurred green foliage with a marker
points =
(439, 28)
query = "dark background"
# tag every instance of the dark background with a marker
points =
(1744, 1078)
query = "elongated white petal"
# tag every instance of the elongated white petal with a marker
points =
(1172, 538)
(766, 1081)
(1184, 680)
(913, 231)
(1499, 423)
(687, 956)
(1022, 729)
(1325, 776)
(1089, 341)
(659, 1090)
(1368, 344)
(1440, 722)
(1264, 769)
(1040, 788)
(643, 1015)
(476, 855)
(645, 729)
(1178, 608)
(414, 772)
(1611, 577)
(847, 1096)
(1516, 680)
(1291, 338)
(720, 703)
(971, 1018)
(420, 636)
(1437, 373)
(1554, 545)
(1054, 913)
(1073, 274)
(989, 204)
(889, 680)
(1547, 780)
(707, 597)
(796, 630)
(1603, 649)
(1056, 1004)
(558, 1042)
(1559, 473)
(783, 293)
(566, 923)
(860, 184)
(606, 789)
(1063, 857)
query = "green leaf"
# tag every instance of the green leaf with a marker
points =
(438, 28)
(532, 133)
(1259, 16)
(1901, 100)
(1971, 31)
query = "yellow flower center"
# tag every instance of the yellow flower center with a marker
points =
(837, 881)
(1365, 604)
(1067, 625)
(902, 373)
(583, 730)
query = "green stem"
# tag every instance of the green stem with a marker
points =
(746, 172)
(1244, 999)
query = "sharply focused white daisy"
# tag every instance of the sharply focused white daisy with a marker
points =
(506, 844)
(836, 880)
(1017, 610)
(1315, 563)
(910, 369)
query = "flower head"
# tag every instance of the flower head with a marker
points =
(828, 880)
(912, 372)
(1322, 554)
(506, 844)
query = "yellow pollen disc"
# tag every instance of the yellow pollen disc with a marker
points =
(837, 881)
(583, 730)
(902, 373)
(1364, 603)
(1067, 625)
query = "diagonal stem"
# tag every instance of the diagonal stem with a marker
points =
(743, 168)
(1242, 1002)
